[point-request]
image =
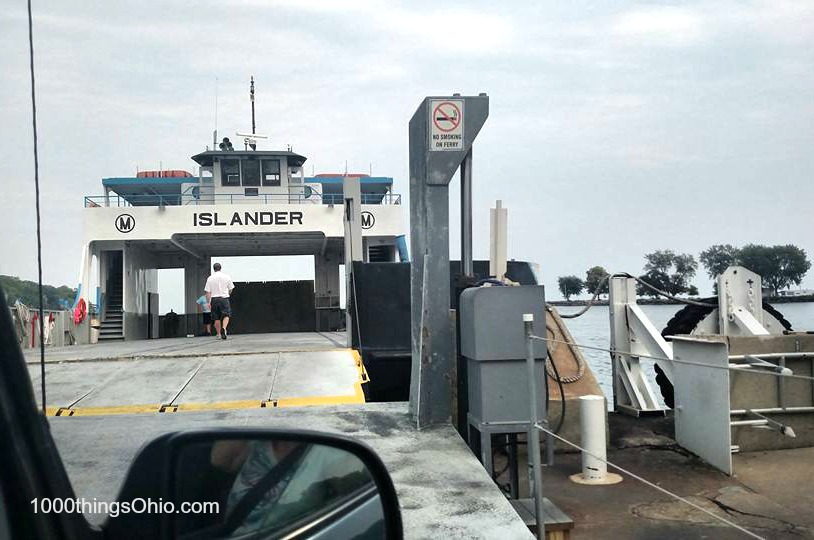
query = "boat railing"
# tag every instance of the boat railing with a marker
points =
(92, 201)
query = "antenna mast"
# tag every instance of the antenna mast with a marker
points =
(215, 132)
(250, 139)
(251, 97)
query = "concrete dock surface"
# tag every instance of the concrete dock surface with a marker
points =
(443, 490)
(771, 494)
(445, 493)
(111, 394)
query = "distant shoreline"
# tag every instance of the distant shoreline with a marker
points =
(665, 301)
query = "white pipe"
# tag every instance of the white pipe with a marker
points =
(769, 410)
(592, 411)
(771, 355)
(749, 423)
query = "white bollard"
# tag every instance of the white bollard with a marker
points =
(592, 423)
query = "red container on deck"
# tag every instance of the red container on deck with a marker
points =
(164, 174)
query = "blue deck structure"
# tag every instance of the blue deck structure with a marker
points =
(138, 191)
(375, 189)
(176, 191)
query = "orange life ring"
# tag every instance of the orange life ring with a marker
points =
(80, 311)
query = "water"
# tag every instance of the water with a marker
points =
(593, 328)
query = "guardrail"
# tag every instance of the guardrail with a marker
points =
(93, 201)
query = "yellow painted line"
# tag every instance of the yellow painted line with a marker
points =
(218, 405)
(357, 397)
(115, 409)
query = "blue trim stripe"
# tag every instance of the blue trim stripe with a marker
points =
(130, 181)
(338, 179)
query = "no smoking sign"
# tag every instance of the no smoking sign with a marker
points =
(446, 124)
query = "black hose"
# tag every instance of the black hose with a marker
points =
(644, 283)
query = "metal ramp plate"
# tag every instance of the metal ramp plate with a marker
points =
(203, 381)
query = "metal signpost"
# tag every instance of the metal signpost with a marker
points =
(442, 131)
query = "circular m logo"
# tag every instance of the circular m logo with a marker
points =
(368, 221)
(125, 223)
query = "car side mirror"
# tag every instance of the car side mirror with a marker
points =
(258, 484)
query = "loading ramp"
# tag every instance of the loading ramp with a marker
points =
(199, 374)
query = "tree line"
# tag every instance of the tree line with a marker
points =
(780, 266)
(27, 293)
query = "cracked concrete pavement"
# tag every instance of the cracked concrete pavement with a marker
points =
(771, 493)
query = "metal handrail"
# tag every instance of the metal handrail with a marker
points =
(92, 201)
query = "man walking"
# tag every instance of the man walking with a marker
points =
(218, 288)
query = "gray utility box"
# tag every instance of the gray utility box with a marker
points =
(493, 341)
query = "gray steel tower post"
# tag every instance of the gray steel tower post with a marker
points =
(442, 131)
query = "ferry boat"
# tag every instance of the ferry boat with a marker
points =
(237, 203)
(728, 361)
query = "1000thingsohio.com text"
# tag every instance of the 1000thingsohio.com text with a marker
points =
(136, 506)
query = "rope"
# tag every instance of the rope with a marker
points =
(37, 200)
(556, 377)
(550, 363)
(664, 358)
(651, 484)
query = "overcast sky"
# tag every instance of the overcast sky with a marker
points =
(615, 128)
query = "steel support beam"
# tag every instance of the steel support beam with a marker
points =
(177, 243)
(466, 215)
(632, 333)
(647, 340)
(740, 303)
(352, 193)
(442, 131)
(747, 323)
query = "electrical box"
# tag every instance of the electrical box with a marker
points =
(494, 344)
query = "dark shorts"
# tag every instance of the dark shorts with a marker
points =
(220, 308)
(207, 318)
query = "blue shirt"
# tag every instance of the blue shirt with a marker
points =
(202, 302)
